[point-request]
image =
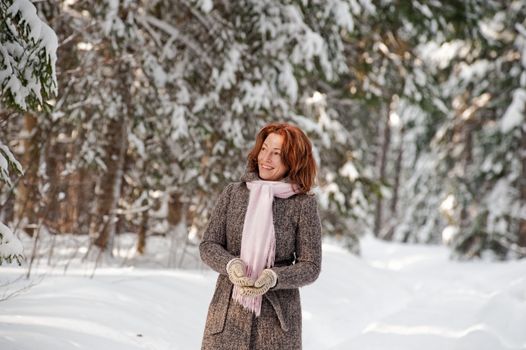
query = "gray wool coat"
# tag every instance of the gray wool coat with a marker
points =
(297, 263)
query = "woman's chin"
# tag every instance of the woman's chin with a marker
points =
(262, 173)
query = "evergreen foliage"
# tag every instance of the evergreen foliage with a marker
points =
(28, 56)
(415, 109)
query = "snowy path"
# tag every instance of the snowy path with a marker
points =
(396, 297)
(411, 297)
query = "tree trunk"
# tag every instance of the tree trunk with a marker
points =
(121, 221)
(28, 194)
(81, 190)
(398, 171)
(396, 186)
(109, 186)
(54, 156)
(71, 186)
(177, 216)
(522, 189)
(82, 194)
(470, 246)
(386, 139)
(141, 240)
(110, 183)
(465, 219)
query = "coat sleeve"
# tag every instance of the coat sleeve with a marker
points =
(308, 250)
(213, 246)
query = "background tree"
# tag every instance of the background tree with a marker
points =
(159, 102)
(475, 147)
(27, 80)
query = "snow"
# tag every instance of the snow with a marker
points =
(424, 9)
(206, 5)
(342, 14)
(499, 201)
(521, 42)
(10, 246)
(288, 82)
(312, 45)
(502, 204)
(226, 79)
(41, 33)
(367, 6)
(394, 297)
(349, 170)
(475, 71)
(255, 95)
(6, 158)
(179, 124)
(112, 20)
(514, 115)
(449, 233)
(137, 143)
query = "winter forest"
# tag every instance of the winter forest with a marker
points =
(122, 121)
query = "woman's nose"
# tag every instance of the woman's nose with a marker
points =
(266, 157)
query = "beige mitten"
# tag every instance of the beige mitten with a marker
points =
(236, 273)
(265, 281)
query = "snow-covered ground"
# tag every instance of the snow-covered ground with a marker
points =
(394, 297)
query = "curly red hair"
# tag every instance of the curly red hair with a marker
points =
(296, 154)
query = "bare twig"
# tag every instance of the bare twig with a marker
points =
(11, 294)
(34, 251)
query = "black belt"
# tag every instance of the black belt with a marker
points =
(284, 263)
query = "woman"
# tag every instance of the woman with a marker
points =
(264, 240)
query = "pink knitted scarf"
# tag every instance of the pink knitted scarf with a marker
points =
(258, 243)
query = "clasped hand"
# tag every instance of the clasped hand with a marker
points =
(236, 273)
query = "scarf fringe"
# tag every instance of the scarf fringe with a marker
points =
(252, 304)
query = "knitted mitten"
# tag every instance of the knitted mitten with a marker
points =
(265, 281)
(236, 273)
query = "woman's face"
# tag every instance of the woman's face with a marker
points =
(270, 161)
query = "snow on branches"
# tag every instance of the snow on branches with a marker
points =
(27, 56)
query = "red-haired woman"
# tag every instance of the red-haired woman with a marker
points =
(264, 240)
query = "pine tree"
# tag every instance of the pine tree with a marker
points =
(467, 153)
(27, 80)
